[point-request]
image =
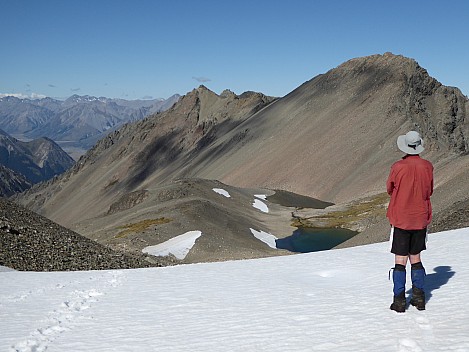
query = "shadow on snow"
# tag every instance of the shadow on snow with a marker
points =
(433, 281)
(438, 278)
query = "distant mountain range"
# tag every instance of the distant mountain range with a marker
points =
(77, 122)
(25, 163)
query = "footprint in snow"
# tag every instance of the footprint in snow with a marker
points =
(58, 321)
(29, 294)
(116, 278)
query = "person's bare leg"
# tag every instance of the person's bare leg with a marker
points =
(401, 259)
(414, 258)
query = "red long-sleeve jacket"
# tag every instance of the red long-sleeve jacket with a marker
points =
(410, 185)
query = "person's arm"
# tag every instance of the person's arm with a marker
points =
(431, 182)
(390, 183)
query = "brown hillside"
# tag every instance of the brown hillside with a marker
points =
(333, 138)
(151, 152)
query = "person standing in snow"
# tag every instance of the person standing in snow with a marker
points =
(410, 185)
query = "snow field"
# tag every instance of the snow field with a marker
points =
(336, 300)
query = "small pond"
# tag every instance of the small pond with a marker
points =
(306, 240)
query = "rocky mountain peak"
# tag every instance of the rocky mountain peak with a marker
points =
(227, 94)
(438, 112)
(202, 88)
(205, 106)
(379, 69)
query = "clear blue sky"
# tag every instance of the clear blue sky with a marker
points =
(141, 48)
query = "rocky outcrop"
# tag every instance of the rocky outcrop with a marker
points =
(439, 112)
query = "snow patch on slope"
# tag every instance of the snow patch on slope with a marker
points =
(178, 246)
(222, 192)
(265, 237)
(260, 205)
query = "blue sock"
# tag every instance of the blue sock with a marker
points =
(398, 277)
(417, 273)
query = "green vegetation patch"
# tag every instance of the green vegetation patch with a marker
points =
(355, 212)
(140, 226)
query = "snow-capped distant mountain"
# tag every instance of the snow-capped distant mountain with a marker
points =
(79, 121)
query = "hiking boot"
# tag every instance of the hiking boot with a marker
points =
(399, 302)
(418, 298)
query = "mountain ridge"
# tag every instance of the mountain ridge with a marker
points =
(333, 138)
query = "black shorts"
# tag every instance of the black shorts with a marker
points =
(405, 242)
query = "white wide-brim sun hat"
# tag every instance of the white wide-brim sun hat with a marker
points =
(410, 143)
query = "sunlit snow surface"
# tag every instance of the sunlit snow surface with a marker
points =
(260, 205)
(335, 300)
(222, 192)
(178, 246)
(265, 237)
